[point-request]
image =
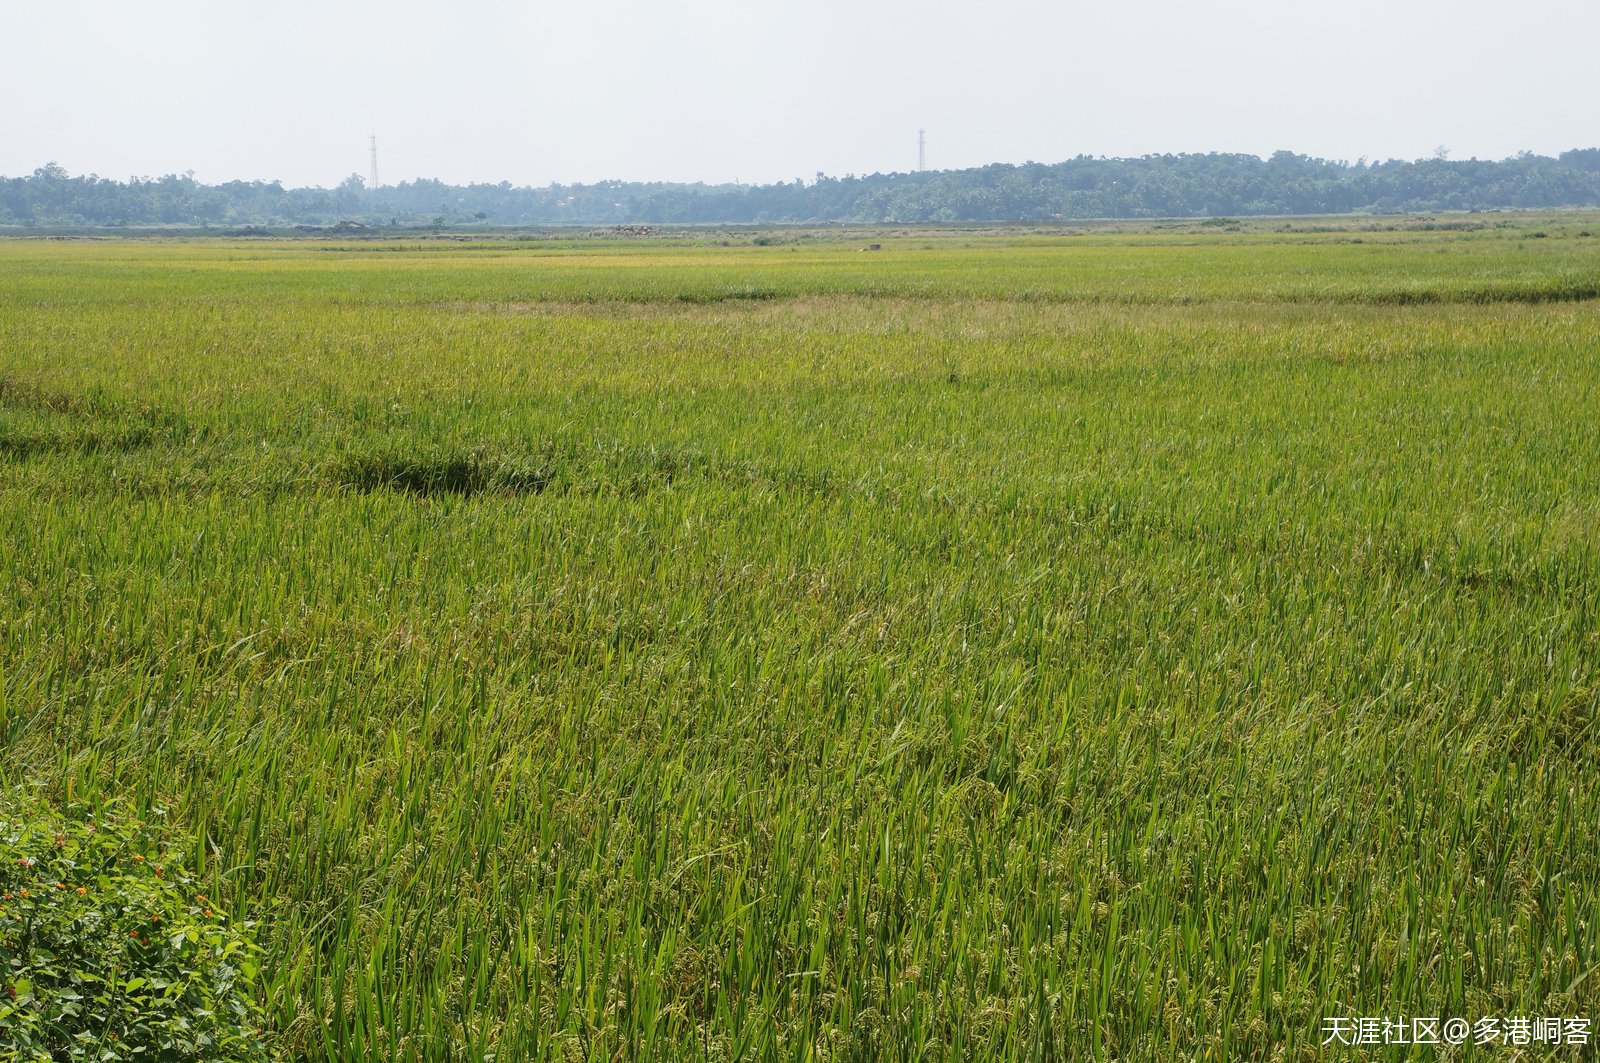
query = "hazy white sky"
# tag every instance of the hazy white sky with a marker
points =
(532, 91)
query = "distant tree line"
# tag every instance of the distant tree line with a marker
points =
(1153, 186)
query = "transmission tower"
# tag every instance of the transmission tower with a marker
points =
(374, 181)
(922, 150)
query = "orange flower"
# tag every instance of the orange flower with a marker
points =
(82, 892)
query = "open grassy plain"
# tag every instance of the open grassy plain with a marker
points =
(1122, 645)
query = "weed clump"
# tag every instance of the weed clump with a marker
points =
(471, 473)
(110, 949)
(731, 293)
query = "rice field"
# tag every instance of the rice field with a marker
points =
(1113, 645)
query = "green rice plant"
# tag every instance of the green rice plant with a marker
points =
(1140, 645)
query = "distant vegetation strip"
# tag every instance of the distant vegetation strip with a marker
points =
(1154, 186)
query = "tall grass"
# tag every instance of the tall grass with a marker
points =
(1110, 647)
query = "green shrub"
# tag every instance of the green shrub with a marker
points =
(110, 949)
